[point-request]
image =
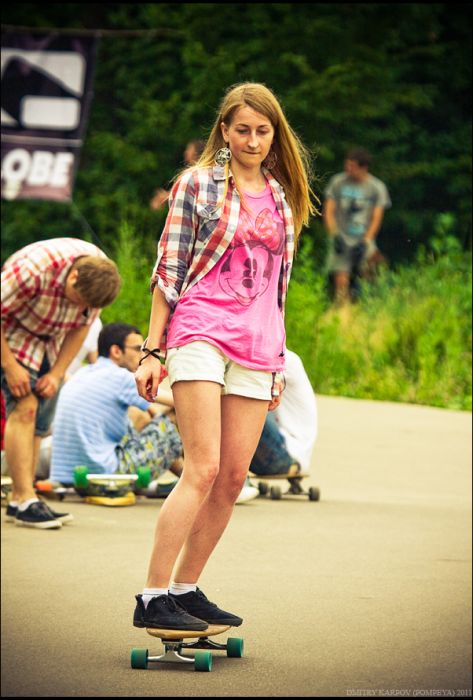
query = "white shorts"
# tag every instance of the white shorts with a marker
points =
(200, 360)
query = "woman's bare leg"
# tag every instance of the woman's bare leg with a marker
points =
(242, 424)
(198, 414)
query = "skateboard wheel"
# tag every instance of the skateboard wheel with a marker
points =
(80, 477)
(144, 477)
(203, 661)
(263, 488)
(139, 658)
(314, 494)
(275, 493)
(235, 647)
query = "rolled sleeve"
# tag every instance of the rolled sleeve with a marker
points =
(176, 244)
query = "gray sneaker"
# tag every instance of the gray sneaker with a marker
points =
(37, 515)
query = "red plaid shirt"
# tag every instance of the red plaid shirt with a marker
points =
(36, 315)
(197, 231)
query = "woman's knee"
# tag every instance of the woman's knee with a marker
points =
(231, 482)
(201, 474)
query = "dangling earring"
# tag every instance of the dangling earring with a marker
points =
(223, 156)
(270, 160)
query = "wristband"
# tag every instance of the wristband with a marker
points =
(155, 353)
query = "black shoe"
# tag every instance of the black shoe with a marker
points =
(62, 517)
(10, 514)
(162, 611)
(196, 603)
(37, 515)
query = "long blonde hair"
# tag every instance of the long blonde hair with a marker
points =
(292, 169)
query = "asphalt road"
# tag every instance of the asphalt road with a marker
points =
(365, 593)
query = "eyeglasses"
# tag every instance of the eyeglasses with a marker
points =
(133, 347)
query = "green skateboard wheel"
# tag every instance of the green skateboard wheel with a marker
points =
(203, 661)
(139, 658)
(144, 477)
(80, 477)
(235, 647)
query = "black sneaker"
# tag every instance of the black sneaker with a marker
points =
(62, 517)
(10, 514)
(37, 515)
(196, 603)
(162, 611)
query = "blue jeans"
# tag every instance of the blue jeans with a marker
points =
(46, 407)
(271, 456)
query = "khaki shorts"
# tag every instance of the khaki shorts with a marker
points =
(205, 362)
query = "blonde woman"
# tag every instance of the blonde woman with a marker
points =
(218, 292)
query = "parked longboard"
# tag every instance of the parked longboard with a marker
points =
(295, 486)
(100, 489)
(174, 643)
(110, 489)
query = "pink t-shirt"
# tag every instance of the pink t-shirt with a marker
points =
(235, 306)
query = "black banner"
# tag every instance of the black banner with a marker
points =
(46, 95)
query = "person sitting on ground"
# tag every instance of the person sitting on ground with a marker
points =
(289, 432)
(52, 291)
(91, 426)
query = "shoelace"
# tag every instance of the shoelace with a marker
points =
(202, 596)
(171, 604)
(40, 507)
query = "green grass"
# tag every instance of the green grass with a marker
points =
(407, 339)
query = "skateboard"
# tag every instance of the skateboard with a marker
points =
(173, 642)
(110, 489)
(99, 489)
(295, 486)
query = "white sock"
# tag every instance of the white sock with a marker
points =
(182, 588)
(25, 504)
(13, 504)
(149, 593)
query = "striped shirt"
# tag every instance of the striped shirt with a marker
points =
(91, 419)
(200, 227)
(36, 316)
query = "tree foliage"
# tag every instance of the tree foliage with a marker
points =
(394, 78)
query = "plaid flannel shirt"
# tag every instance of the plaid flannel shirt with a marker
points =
(198, 231)
(36, 315)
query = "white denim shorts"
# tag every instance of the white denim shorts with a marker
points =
(203, 361)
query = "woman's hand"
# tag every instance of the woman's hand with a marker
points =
(274, 403)
(148, 376)
(279, 384)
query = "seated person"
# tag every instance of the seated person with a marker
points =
(290, 432)
(91, 425)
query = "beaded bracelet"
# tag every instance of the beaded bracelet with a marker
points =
(154, 353)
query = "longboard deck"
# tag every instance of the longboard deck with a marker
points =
(187, 634)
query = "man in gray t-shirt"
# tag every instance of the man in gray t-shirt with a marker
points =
(353, 212)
